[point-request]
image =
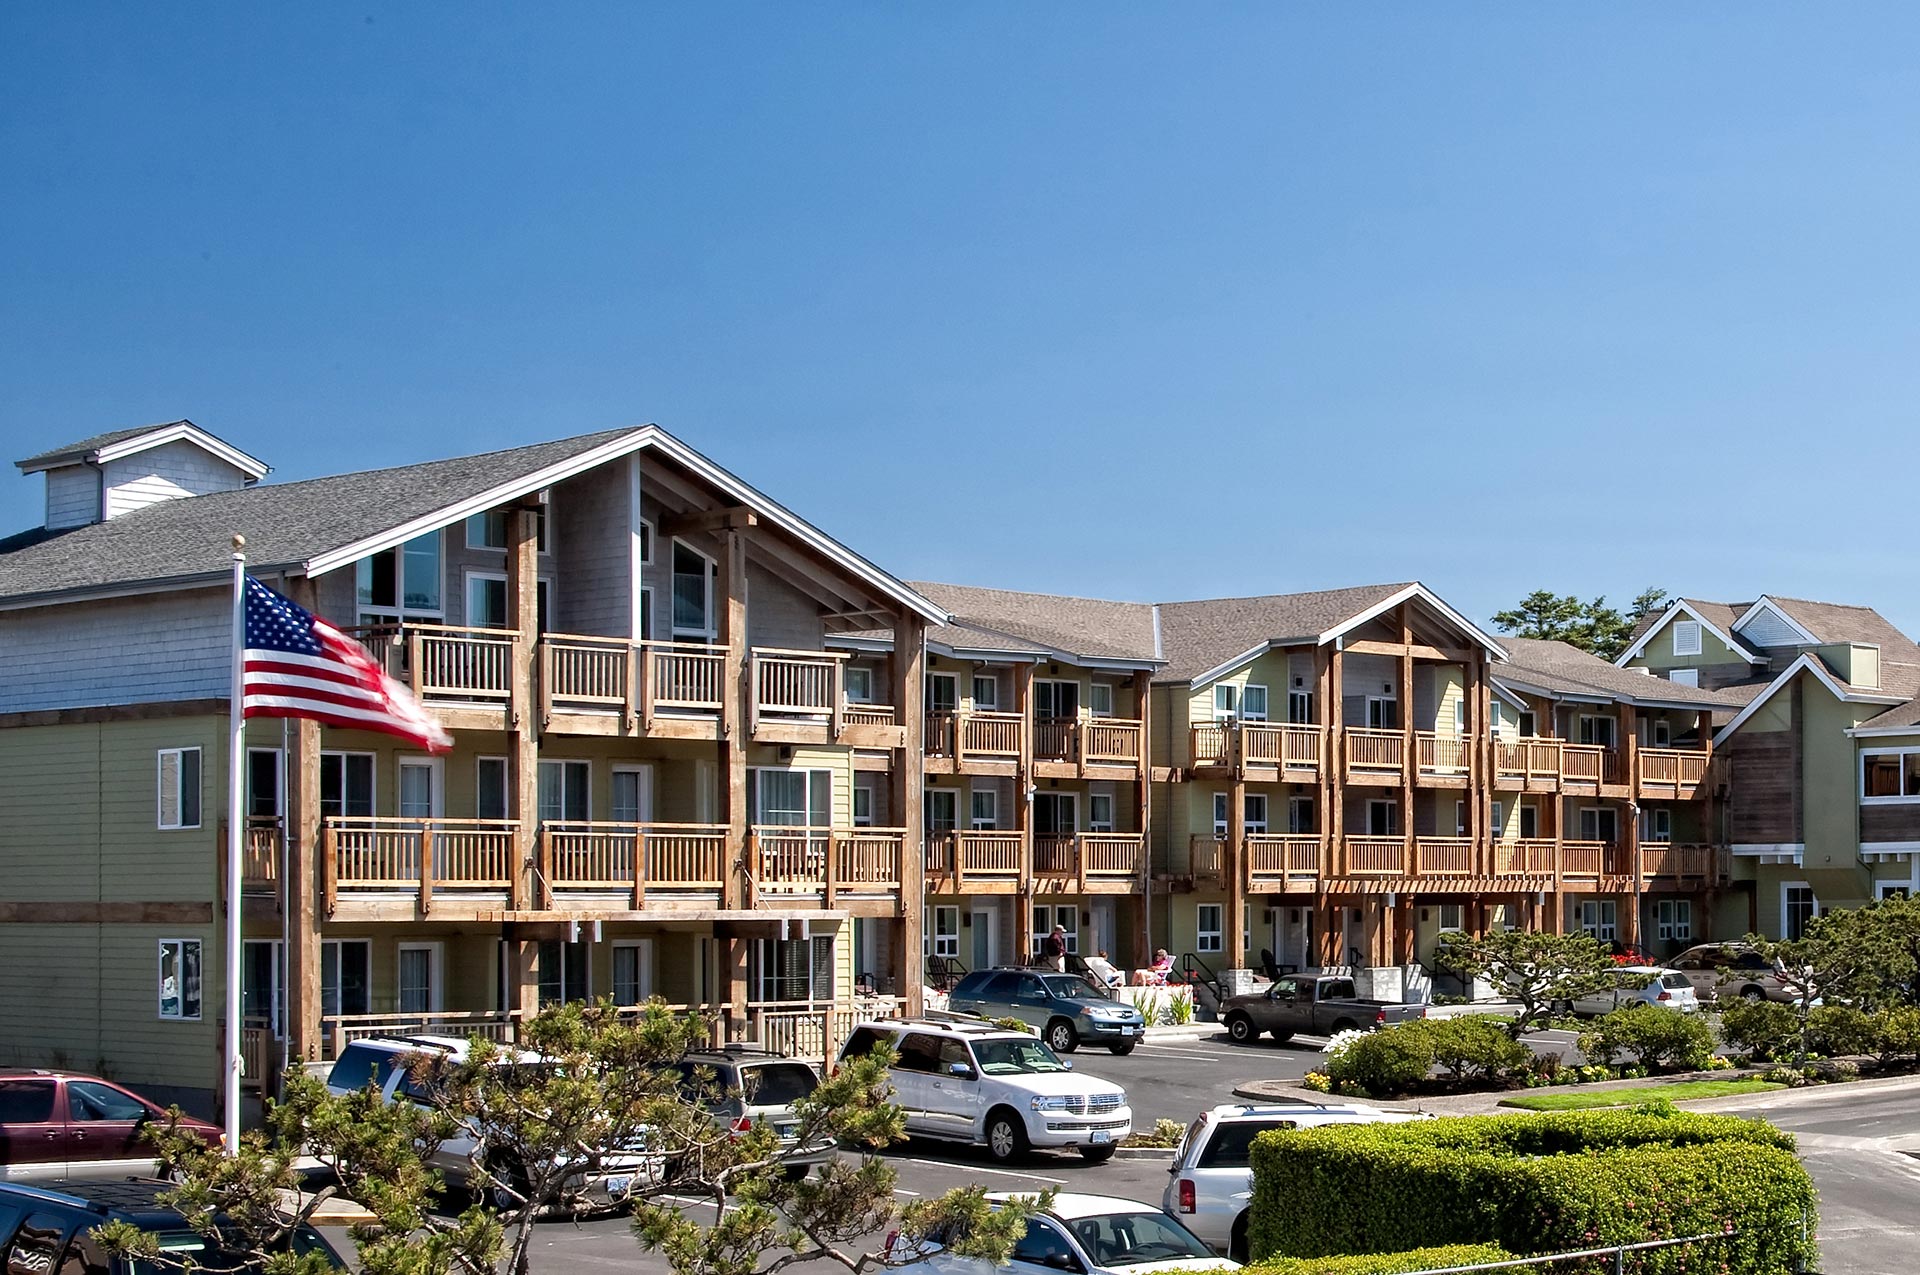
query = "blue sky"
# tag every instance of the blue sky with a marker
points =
(1126, 300)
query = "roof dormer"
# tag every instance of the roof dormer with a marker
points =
(100, 478)
(1766, 623)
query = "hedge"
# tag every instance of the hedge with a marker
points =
(1537, 1184)
(1419, 1259)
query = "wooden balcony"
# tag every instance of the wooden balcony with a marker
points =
(1268, 746)
(634, 859)
(444, 662)
(1064, 744)
(828, 862)
(1531, 762)
(1524, 857)
(1443, 857)
(961, 858)
(1206, 859)
(992, 738)
(1375, 856)
(261, 847)
(1588, 766)
(1672, 772)
(1592, 860)
(1442, 759)
(1681, 862)
(798, 698)
(1083, 862)
(1278, 861)
(1375, 756)
(417, 857)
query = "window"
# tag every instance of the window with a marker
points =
(1684, 676)
(1527, 725)
(1890, 890)
(1056, 701)
(1673, 919)
(863, 803)
(1100, 812)
(1494, 715)
(1597, 919)
(346, 785)
(489, 530)
(1460, 715)
(1100, 699)
(1383, 712)
(1656, 823)
(1499, 820)
(790, 798)
(859, 684)
(1253, 703)
(420, 788)
(260, 982)
(943, 693)
(487, 601)
(1452, 917)
(180, 979)
(1797, 907)
(941, 809)
(632, 793)
(643, 533)
(1226, 699)
(986, 692)
(1529, 822)
(179, 788)
(1300, 707)
(1256, 812)
(1686, 637)
(1208, 928)
(1660, 733)
(1066, 916)
(345, 977)
(563, 972)
(263, 783)
(1300, 815)
(396, 583)
(1889, 775)
(795, 969)
(1597, 730)
(1599, 823)
(632, 971)
(946, 931)
(1383, 818)
(693, 585)
(563, 790)
(417, 980)
(646, 613)
(1222, 814)
(986, 809)
(1056, 814)
(490, 788)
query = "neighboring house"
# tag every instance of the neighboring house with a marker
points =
(655, 786)
(1823, 757)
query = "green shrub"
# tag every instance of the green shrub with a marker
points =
(1763, 1029)
(1419, 1259)
(1897, 1033)
(1389, 1061)
(1538, 1184)
(1839, 1029)
(1472, 1047)
(1654, 1036)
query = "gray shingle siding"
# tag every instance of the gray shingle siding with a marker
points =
(164, 646)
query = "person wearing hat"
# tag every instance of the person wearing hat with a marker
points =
(1054, 948)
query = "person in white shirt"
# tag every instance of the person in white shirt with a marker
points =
(1101, 968)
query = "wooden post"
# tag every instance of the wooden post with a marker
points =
(639, 867)
(309, 878)
(329, 871)
(1337, 762)
(1235, 870)
(636, 665)
(830, 881)
(1630, 730)
(1023, 935)
(1409, 756)
(544, 892)
(1141, 945)
(909, 670)
(426, 868)
(523, 722)
(734, 695)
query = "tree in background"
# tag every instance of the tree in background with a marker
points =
(1852, 960)
(1592, 626)
(1538, 971)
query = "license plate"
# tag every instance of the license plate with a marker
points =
(1102, 1135)
(1139, 1031)
(617, 1187)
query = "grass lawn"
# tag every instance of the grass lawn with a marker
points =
(1678, 1091)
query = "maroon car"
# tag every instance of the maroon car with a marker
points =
(53, 1123)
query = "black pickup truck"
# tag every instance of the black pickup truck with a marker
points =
(1317, 1006)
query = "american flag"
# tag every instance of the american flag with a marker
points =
(298, 665)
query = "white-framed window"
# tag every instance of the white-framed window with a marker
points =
(563, 971)
(1656, 823)
(794, 969)
(421, 788)
(486, 597)
(985, 809)
(646, 613)
(632, 793)
(1226, 701)
(1255, 813)
(1300, 707)
(1460, 715)
(1597, 918)
(418, 984)
(1660, 733)
(1064, 915)
(1209, 928)
(1798, 906)
(402, 583)
(1055, 701)
(644, 530)
(565, 788)
(266, 779)
(1253, 703)
(1300, 818)
(1222, 814)
(179, 788)
(632, 971)
(1459, 818)
(1894, 890)
(859, 684)
(1595, 729)
(490, 788)
(1495, 715)
(943, 693)
(1684, 676)
(180, 980)
(1889, 776)
(941, 809)
(986, 693)
(346, 785)
(346, 976)
(946, 930)
(789, 798)
(1686, 637)
(863, 803)
(1100, 699)
(694, 579)
(1599, 823)
(1099, 812)
(1383, 712)
(489, 530)
(1526, 724)
(1499, 819)
(1673, 919)
(1452, 917)
(1383, 818)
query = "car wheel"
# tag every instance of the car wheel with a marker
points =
(1753, 994)
(1240, 1029)
(1061, 1037)
(1560, 1009)
(1006, 1136)
(1282, 1035)
(1237, 1241)
(1121, 1047)
(509, 1179)
(1097, 1155)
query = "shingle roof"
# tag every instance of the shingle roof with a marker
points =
(1720, 615)
(1839, 622)
(1202, 635)
(76, 450)
(1907, 714)
(1559, 666)
(1002, 619)
(284, 523)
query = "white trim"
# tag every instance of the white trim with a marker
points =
(170, 433)
(1878, 732)
(1221, 670)
(1763, 601)
(436, 978)
(974, 793)
(1808, 663)
(1684, 677)
(1420, 591)
(1696, 629)
(646, 437)
(645, 770)
(1860, 775)
(1818, 910)
(641, 551)
(1667, 618)
(709, 583)
(506, 785)
(643, 965)
(436, 768)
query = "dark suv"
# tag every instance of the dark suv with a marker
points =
(742, 1085)
(1064, 1008)
(49, 1227)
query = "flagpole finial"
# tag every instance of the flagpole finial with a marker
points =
(239, 542)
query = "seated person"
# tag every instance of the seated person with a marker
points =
(1156, 975)
(1102, 969)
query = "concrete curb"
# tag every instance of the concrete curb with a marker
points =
(1187, 1031)
(1143, 1153)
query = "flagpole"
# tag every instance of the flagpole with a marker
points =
(236, 834)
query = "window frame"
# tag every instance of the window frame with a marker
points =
(563, 767)
(1209, 939)
(1393, 817)
(1813, 907)
(1673, 920)
(946, 942)
(757, 804)
(1248, 713)
(857, 684)
(1589, 724)
(1381, 702)
(1684, 677)
(338, 960)
(506, 537)
(1226, 701)
(1300, 708)
(976, 822)
(1094, 822)
(1096, 691)
(1902, 768)
(342, 756)
(709, 588)
(990, 703)
(1688, 627)
(183, 792)
(643, 969)
(371, 611)
(181, 946)
(861, 794)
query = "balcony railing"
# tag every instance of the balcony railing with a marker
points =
(261, 853)
(789, 860)
(442, 661)
(1053, 738)
(1673, 770)
(795, 683)
(1677, 859)
(1088, 856)
(1525, 857)
(683, 676)
(635, 858)
(1443, 856)
(1590, 764)
(1376, 750)
(1290, 746)
(1376, 856)
(1529, 758)
(1587, 860)
(1280, 856)
(1208, 744)
(1438, 754)
(982, 856)
(1110, 741)
(383, 855)
(984, 736)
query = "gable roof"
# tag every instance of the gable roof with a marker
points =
(1716, 617)
(1559, 668)
(1044, 624)
(1807, 662)
(320, 524)
(1898, 718)
(127, 442)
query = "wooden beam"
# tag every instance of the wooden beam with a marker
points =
(1409, 759)
(1407, 646)
(907, 808)
(523, 717)
(733, 518)
(1138, 951)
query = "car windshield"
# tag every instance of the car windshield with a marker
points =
(188, 1250)
(1133, 1239)
(1071, 987)
(1013, 1057)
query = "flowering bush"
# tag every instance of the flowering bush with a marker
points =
(1340, 1042)
(1318, 1081)
(1388, 1061)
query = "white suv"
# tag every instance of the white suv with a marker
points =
(1212, 1176)
(974, 1083)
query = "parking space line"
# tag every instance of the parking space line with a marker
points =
(974, 1168)
(1167, 1051)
